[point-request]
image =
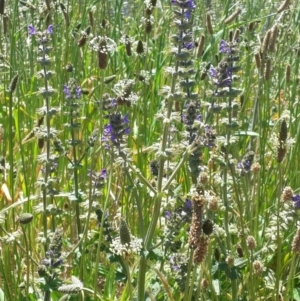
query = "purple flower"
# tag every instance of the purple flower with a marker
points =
(224, 47)
(78, 92)
(188, 205)
(187, 5)
(31, 30)
(221, 78)
(67, 92)
(72, 90)
(189, 45)
(116, 129)
(50, 29)
(296, 199)
(167, 214)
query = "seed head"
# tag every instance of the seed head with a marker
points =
(296, 242)
(124, 232)
(251, 243)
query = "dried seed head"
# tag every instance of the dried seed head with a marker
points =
(255, 167)
(140, 47)
(201, 250)
(257, 267)
(233, 16)
(2, 5)
(288, 73)
(267, 72)
(13, 83)
(213, 204)
(102, 60)
(266, 41)
(283, 6)
(124, 232)
(25, 218)
(236, 35)
(204, 284)
(196, 224)
(287, 194)
(209, 24)
(203, 178)
(239, 251)
(257, 60)
(251, 243)
(208, 227)
(296, 242)
(91, 18)
(283, 131)
(200, 46)
(273, 38)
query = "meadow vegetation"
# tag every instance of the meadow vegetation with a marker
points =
(149, 150)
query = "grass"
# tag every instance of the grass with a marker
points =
(167, 174)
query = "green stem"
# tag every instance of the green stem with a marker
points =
(278, 261)
(101, 227)
(290, 282)
(128, 279)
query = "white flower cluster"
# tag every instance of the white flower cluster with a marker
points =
(134, 247)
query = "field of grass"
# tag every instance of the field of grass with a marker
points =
(149, 150)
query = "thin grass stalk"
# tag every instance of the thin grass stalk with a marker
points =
(12, 63)
(5, 280)
(101, 226)
(278, 272)
(158, 198)
(192, 281)
(27, 261)
(188, 274)
(138, 203)
(291, 278)
(127, 271)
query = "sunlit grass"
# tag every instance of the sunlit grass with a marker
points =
(61, 242)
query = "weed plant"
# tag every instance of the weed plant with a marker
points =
(149, 150)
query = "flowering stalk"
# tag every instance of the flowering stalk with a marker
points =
(45, 133)
(182, 21)
(73, 93)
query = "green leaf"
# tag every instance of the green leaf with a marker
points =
(233, 274)
(246, 133)
(296, 294)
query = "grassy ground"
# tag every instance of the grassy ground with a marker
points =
(149, 150)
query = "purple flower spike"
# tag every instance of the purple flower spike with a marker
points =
(67, 92)
(78, 92)
(50, 29)
(296, 199)
(104, 173)
(167, 215)
(125, 119)
(189, 45)
(31, 30)
(224, 47)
